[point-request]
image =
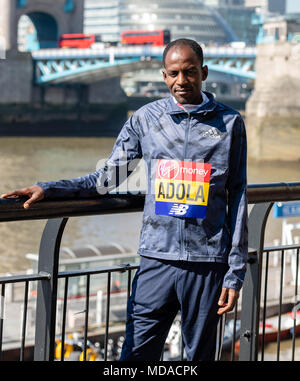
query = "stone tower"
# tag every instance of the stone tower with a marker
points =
(17, 68)
(68, 15)
(273, 110)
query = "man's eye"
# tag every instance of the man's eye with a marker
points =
(173, 74)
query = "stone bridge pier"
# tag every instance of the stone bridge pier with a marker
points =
(273, 110)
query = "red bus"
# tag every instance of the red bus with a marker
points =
(145, 37)
(79, 40)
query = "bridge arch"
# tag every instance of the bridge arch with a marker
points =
(37, 30)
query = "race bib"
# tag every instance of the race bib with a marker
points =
(181, 188)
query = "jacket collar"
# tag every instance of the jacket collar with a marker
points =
(173, 108)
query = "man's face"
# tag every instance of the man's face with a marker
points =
(183, 74)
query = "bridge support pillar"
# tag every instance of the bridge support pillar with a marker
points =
(107, 91)
(273, 110)
(16, 78)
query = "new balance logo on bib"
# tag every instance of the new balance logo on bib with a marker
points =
(179, 209)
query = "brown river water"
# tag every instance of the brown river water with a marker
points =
(25, 160)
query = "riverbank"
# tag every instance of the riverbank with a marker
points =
(271, 140)
(62, 120)
(73, 120)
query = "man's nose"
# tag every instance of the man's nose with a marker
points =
(181, 79)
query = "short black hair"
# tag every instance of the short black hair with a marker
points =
(184, 41)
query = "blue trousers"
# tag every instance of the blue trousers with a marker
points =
(160, 289)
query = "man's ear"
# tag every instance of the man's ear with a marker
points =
(204, 72)
(164, 73)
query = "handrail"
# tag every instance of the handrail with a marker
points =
(24, 278)
(273, 192)
(12, 209)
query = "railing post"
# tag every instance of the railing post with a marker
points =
(47, 289)
(250, 309)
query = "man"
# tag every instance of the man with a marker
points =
(194, 238)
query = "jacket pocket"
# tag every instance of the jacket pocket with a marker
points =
(196, 240)
(159, 234)
(218, 243)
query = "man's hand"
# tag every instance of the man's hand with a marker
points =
(35, 193)
(227, 300)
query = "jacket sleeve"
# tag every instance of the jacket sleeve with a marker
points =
(237, 208)
(116, 169)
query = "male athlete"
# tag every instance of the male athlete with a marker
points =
(194, 239)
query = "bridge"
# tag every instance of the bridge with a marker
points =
(55, 66)
(86, 66)
(54, 70)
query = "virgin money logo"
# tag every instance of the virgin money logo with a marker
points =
(168, 169)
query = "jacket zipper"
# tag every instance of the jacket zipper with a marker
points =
(182, 220)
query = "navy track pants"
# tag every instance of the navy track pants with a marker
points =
(160, 289)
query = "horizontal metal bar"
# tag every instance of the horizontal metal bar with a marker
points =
(282, 247)
(99, 270)
(12, 209)
(74, 273)
(273, 192)
(64, 274)
(23, 278)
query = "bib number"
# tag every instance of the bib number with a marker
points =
(182, 188)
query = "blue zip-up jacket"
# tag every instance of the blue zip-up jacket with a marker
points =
(214, 134)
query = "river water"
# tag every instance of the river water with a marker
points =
(25, 160)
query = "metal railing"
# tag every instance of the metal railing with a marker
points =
(248, 312)
(252, 328)
(88, 273)
(279, 306)
(262, 197)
